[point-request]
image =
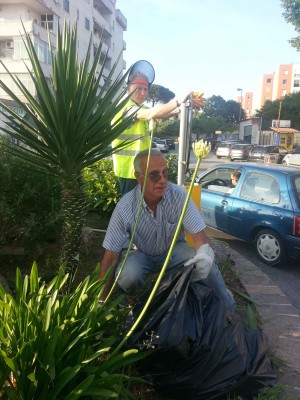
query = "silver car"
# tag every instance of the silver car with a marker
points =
(224, 149)
(292, 158)
(162, 145)
(240, 152)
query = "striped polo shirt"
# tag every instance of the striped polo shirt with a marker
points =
(154, 234)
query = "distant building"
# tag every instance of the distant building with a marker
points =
(246, 101)
(284, 81)
(98, 18)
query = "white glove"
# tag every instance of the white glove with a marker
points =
(204, 260)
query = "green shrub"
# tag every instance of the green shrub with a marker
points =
(102, 186)
(29, 202)
(56, 345)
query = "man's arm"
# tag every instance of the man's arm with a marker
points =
(110, 260)
(160, 110)
(200, 238)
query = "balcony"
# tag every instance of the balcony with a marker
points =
(104, 7)
(121, 19)
(102, 29)
(105, 48)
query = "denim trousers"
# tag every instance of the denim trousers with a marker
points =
(138, 265)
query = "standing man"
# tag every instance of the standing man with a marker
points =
(138, 88)
(161, 210)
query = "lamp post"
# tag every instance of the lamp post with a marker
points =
(241, 98)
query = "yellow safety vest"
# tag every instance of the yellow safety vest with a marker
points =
(123, 159)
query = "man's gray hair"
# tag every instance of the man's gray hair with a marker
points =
(144, 154)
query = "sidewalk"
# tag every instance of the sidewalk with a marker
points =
(281, 321)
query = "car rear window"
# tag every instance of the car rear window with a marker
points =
(261, 187)
(296, 184)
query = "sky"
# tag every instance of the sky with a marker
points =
(211, 46)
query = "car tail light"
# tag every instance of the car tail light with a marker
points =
(296, 230)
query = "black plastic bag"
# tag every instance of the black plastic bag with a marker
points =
(202, 349)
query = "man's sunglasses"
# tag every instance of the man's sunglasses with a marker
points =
(155, 176)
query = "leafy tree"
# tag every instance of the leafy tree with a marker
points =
(214, 107)
(160, 94)
(208, 126)
(229, 110)
(69, 126)
(290, 108)
(292, 16)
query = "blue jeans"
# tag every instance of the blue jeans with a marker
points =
(139, 265)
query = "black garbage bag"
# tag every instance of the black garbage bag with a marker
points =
(201, 349)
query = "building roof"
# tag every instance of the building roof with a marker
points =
(285, 130)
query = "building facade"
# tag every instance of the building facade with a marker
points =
(96, 19)
(284, 81)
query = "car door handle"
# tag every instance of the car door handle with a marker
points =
(224, 203)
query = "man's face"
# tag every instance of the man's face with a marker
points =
(156, 181)
(139, 92)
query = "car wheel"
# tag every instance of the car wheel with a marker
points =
(269, 247)
(218, 157)
(284, 163)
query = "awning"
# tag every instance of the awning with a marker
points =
(285, 130)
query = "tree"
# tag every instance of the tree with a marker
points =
(292, 16)
(290, 108)
(214, 107)
(69, 126)
(160, 94)
(229, 110)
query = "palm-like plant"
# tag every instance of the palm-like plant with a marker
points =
(68, 125)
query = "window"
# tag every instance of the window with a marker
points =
(87, 24)
(66, 5)
(285, 72)
(284, 82)
(49, 21)
(297, 74)
(268, 89)
(269, 80)
(296, 83)
(283, 92)
(261, 187)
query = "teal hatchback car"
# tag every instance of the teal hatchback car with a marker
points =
(263, 207)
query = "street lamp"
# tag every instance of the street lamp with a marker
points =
(241, 98)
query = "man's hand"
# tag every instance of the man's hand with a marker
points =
(198, 100)
(204, 260)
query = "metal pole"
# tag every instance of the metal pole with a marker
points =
(182, 144)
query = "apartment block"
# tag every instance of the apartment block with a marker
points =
(99, 19)
(246, 102)
(284, 81)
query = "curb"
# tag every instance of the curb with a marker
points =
(281, 320)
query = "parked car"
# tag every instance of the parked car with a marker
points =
(224, 149)
(263, 208)
(171, 144)
(292, 158)
(162, 145)
(154, 145)
(259, 152)
(240, 151)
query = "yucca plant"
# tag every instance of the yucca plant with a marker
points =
(55, 345)
(67, 126)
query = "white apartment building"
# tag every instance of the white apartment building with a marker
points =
(98, 18)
